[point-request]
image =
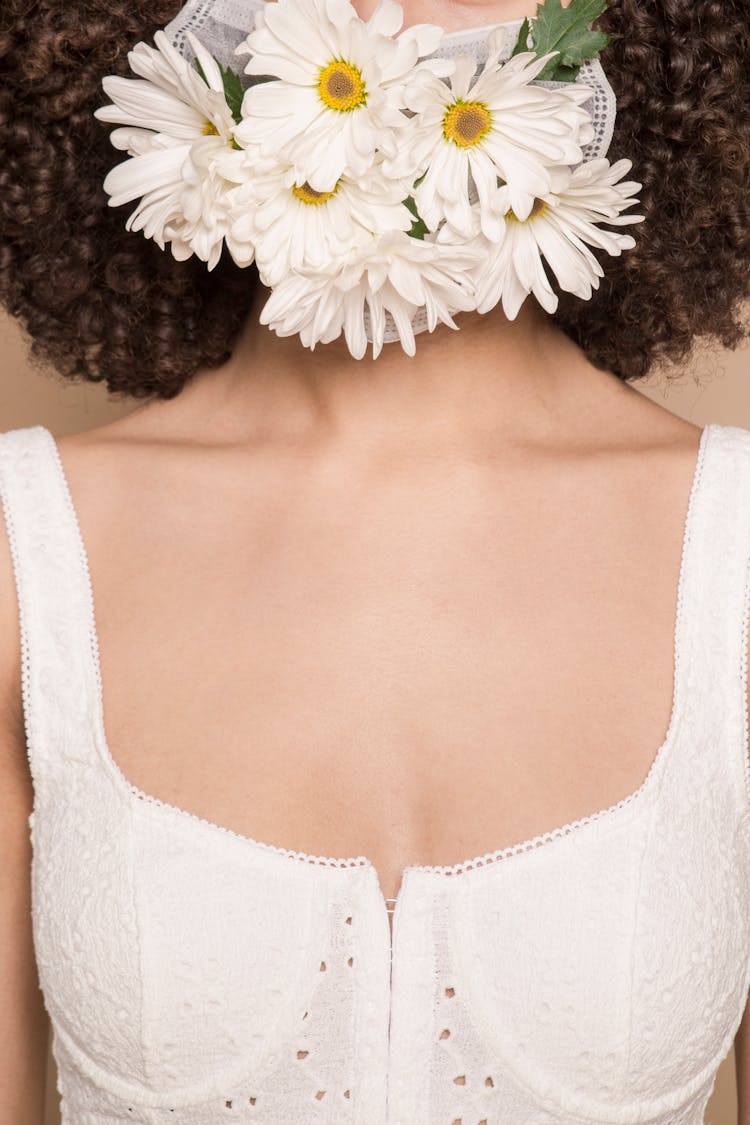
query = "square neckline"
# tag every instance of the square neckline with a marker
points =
(463, 867)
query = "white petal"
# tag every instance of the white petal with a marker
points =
(140, 103)
(208, 63)
(387, 19)
(426, 36)
(142, 174)
(464, 71)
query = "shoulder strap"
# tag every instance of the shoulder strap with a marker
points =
(59, 671)
(714, 607)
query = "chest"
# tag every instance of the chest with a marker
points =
(594, 973)
(422, 677)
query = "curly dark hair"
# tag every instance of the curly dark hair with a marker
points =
(103, 305)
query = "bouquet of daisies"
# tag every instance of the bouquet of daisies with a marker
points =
(368, 179)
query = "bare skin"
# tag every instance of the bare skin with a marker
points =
(428, 603)
(456, 14)
(418, 609)
(412, 609)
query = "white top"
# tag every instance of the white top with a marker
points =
(595, 974)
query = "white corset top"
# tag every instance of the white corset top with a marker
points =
(595, 974)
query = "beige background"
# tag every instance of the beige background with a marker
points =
(716, 388)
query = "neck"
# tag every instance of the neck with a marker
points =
(520, 381)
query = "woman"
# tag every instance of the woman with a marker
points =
(358, 621)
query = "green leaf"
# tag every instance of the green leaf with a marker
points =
(201, 71)
(418, 227)
(233, 90)
(523, 39)
(566, 73)
(567, 31)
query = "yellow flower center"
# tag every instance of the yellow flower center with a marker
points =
(210, 130)
(341, 86)
(307, 194)
(539, 208)
(466, 123)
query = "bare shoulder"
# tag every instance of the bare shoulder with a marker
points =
(640, 453)
(126, 433)
(108, 466)
(639, 419)
(632, 458)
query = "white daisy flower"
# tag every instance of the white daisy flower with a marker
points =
(560, 228)
(179, 132)
(170, 97)
(338, 91)
(394, 274)
(292, 226)
(499, 125)
(205, 222)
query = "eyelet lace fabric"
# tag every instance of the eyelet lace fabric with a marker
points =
(596, 973)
